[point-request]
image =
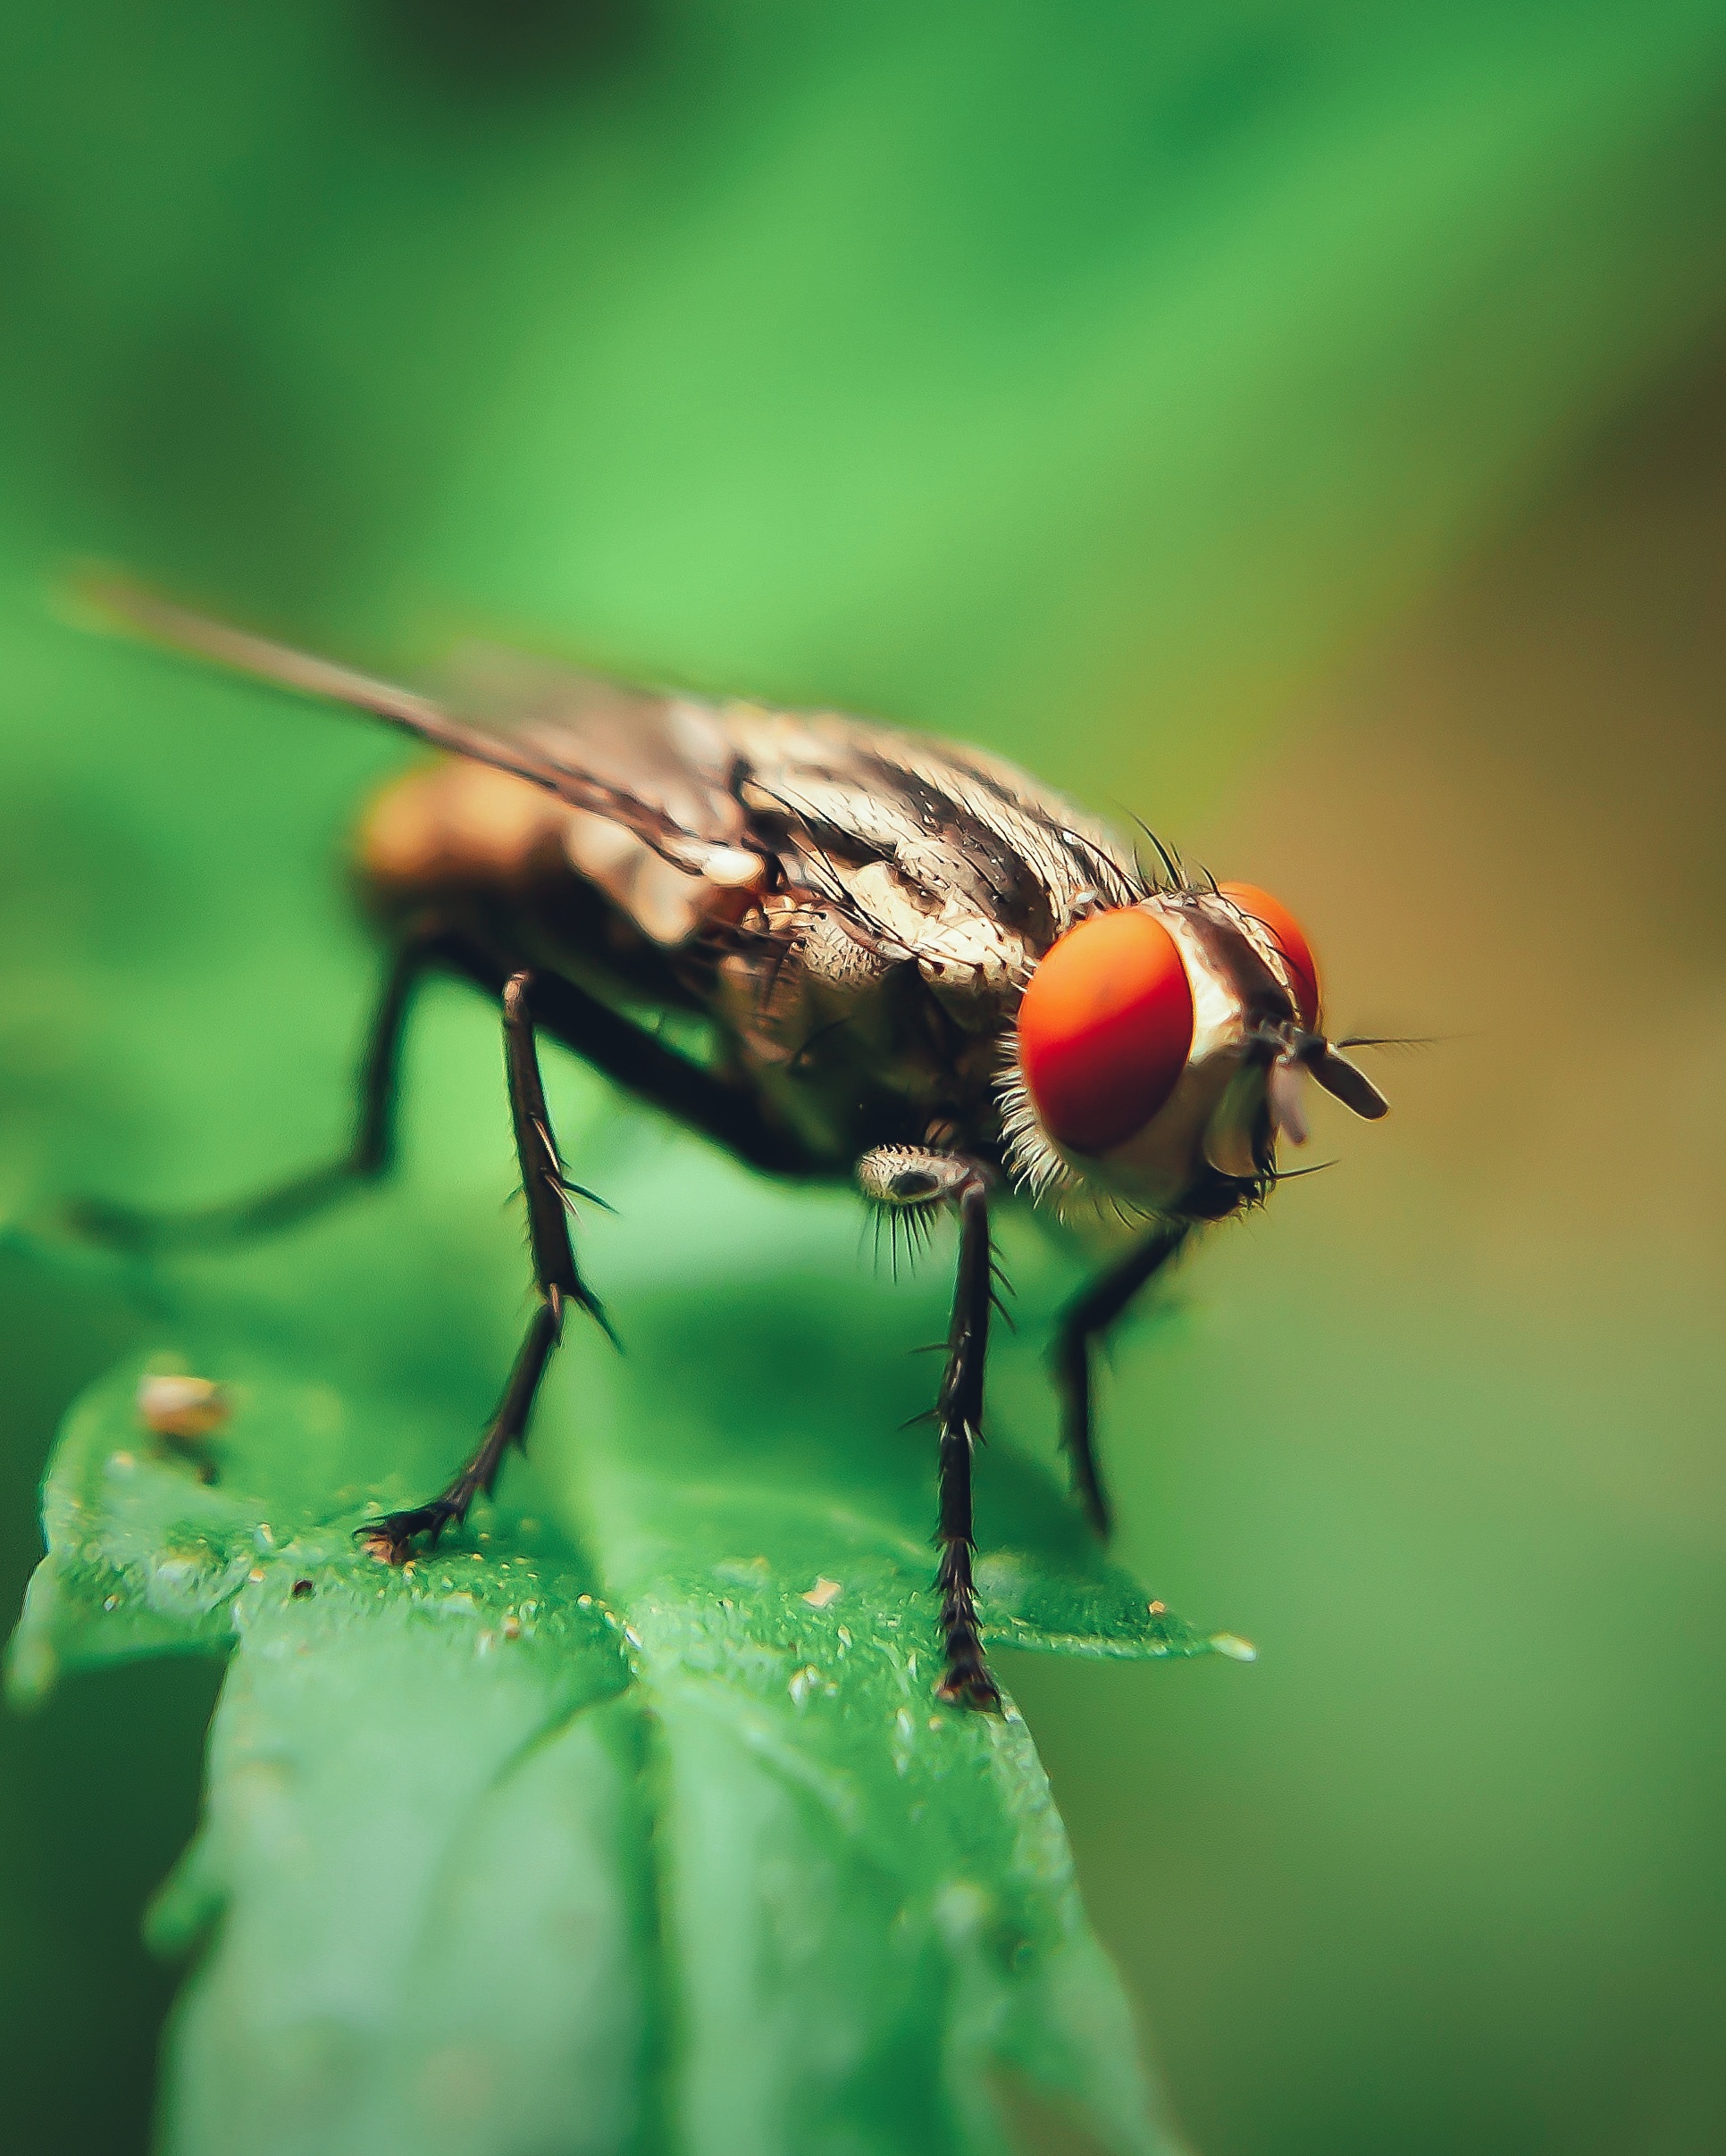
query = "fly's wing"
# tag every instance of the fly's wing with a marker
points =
(907, 849)
(699, 863)
(904, 847)
(528, 752)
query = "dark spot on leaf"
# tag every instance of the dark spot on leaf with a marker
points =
(482, 49)
(302, 1588)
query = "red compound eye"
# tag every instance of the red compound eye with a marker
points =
(1105, 1029)
(1290, 938)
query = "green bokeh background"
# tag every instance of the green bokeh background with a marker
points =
(1303, 427)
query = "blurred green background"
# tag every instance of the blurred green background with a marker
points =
(1304, 427)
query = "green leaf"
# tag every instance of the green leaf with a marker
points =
(633, 1825)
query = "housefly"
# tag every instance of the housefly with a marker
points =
(918, 970)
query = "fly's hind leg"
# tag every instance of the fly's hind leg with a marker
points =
(1086, 1320)
(911, 1178)
(368, 1159)
(556, 1279)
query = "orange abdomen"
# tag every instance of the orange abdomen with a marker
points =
(452, 828)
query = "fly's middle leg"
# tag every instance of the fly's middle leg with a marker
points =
(557, 1280)
(904, 1176)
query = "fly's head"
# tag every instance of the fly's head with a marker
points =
(1162, 1049)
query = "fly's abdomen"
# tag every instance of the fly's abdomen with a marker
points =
(450, 830)
(503, 863)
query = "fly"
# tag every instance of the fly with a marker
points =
(921, 971)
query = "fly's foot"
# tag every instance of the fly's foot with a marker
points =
(968, 1683)
(390, 1540)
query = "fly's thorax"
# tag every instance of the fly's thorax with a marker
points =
(1140, 1063)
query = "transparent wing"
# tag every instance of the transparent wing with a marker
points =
(541, 750)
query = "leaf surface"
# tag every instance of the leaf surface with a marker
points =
(634, 1825)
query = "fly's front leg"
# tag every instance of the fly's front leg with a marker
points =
(556, 1277)
(909, 1177)
(1085, 1319)
(369, 1157)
